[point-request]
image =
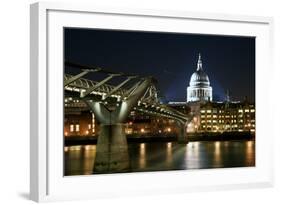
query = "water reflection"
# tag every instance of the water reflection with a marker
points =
(169, 156)
(217, 154)
(142, 159)
(79, 160)
(250, 153)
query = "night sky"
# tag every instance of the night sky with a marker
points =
(169, 57)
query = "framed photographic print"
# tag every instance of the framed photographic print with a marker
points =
(127, 102)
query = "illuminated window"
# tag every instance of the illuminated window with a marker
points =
(214, 116)
(89, 126)
(202, 116)
(202, 111)
(203, 121)
(252, 110)
(208, 116)
(247, 110)
(71, 128)
(240, 110)
(214, 121)
(209, 111)
(77, 127)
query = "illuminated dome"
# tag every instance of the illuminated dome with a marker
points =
(198, 78)
(199, 86)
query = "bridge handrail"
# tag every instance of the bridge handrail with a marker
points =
(83, 83)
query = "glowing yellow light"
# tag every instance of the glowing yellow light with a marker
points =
(87, 147)
(87, 132)
(142, 130)
(169, 129)
(130, 123)
(250, 143)
(66, 133)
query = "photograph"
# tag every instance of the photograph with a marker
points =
(147, 101)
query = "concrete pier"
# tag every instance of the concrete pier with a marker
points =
(112, 149)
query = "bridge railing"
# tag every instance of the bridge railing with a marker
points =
(83, 84)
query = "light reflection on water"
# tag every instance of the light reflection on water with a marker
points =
(142, 157)
(79, 160)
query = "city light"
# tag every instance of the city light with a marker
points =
(142, 130)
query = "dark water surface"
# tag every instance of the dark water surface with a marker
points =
(79, 160)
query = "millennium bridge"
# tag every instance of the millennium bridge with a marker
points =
(111, 105)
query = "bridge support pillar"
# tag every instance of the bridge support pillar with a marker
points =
(112, 149)
(182, 137)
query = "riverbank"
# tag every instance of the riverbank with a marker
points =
(227, 136)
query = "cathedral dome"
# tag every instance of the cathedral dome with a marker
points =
(199, 86)
(199, 77)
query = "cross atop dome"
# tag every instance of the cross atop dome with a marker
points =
(199, 63)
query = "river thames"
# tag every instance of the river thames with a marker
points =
(157, 156)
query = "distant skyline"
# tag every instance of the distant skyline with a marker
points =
(169, 57)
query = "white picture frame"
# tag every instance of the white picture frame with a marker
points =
(47, 182)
